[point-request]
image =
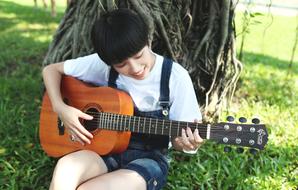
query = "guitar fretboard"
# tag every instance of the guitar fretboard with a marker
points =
(111, 121)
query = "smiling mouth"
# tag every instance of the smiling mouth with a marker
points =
(139, 74)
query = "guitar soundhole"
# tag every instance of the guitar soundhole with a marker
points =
(91, 125)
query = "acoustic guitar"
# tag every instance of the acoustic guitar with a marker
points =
(113, 122)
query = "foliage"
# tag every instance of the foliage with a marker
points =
(266, 90)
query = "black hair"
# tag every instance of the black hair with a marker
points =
(118, 35)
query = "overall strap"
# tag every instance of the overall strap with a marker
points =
(164, 98)
(112, 78)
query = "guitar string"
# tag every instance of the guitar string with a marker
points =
(159, 130)
(120, 125)
(159, 122)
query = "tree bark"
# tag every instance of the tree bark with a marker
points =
(198, 34)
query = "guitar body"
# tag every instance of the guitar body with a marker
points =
(54, 138)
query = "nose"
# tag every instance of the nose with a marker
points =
(134, 66)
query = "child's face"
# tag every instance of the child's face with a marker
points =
(137, 66)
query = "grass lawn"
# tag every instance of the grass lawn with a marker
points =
(266, 90)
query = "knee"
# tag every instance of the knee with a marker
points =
(77, 159)
(99, 184)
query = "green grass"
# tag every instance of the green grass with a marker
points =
(266, 90)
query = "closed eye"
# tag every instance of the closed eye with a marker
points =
(139, 55)
(120, 65)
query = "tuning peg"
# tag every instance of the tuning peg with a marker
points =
(239, 150)
(242, 120)
(230, 118)
(227, 149)
(255, 121)
(253, 151)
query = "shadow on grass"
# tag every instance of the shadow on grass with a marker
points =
(29, 14)
(24, 43)
(270, 86)
(22, 49)
(269, 61)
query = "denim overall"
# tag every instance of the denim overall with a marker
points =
(146, 154)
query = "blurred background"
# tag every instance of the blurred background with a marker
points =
(266, 34)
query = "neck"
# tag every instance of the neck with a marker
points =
(153, 59)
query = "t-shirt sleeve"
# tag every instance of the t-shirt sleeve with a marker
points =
(185, 106)
(89, 68)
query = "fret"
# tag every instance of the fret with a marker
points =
(170, 133)
(129, 122)
(163, 124)
(124, 122)
(100, 121)
(113, 121)
(139, 124)
(117, 122)
(177, 135)
(150, 125)
(166, 127)
(156, 126)
(134, 123)
(144, 125)
(104, 120)
(171, 128)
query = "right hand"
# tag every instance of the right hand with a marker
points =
(70, 117)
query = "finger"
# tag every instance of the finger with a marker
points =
(85, 116)
(76, 139)
(81, 136)
(187, 144)
(197, 137)
(80, 131)
(178, 140)
(83, 130)
(73, 137)
(191, 138)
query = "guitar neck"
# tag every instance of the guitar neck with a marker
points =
(111, 121)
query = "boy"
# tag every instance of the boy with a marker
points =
(159, 88)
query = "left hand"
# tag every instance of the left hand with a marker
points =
(189, 141)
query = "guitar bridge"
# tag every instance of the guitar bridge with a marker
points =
(61, 127)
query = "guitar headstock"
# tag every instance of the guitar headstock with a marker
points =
(253, 135)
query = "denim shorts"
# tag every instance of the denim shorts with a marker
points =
(152, 165)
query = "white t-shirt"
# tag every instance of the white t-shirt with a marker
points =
(145, 93)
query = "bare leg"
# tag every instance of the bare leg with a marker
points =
(45, 5)
(119, 179)
(53, 8)
(75, 168)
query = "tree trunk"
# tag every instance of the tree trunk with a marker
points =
(197, 34)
